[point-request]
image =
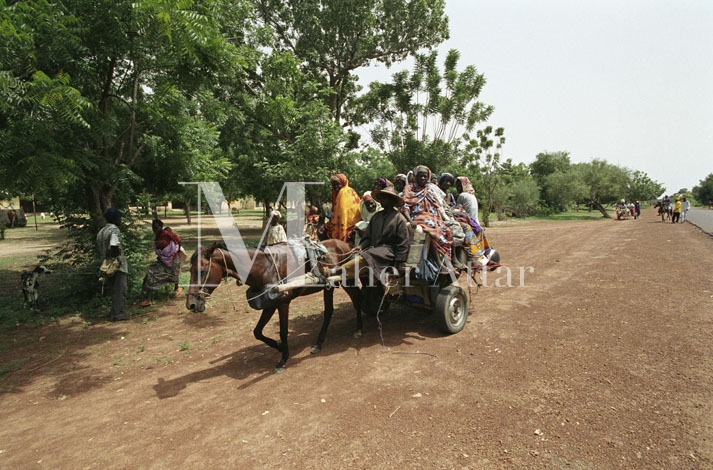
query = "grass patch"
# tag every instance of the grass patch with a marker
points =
(9, 368)
(581, 215)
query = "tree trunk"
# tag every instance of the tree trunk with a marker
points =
(601, 209)
(187, 209)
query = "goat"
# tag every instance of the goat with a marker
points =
(30, 286)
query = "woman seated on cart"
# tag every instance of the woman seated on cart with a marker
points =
(424, 210)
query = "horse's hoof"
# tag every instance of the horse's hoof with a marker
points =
(280, 369)
(316, 350)
(357, 334)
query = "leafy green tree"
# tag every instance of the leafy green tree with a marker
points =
(606, 183)
(510, 195)
(37, 104)
(643, 188)
(424, 117)
(333, 39)
(545, 165)
(283, 133)
(523, 196)
(84, 81)
(703, 191)
(564, 188)
(487, 147)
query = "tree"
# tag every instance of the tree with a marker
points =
(486, 147)
(332, 39)
(703, 192)
(643, 188)
(523, 197)
(564, 188)
(283, 132)
(84, 81)
(424, 117)
(606, 183)
(545, 165)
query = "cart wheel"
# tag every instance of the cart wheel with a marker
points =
(451, 309)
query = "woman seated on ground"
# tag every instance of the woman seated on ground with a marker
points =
(167, 267)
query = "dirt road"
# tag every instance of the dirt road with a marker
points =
(599, 356)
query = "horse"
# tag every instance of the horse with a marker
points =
(665, 210)
(269, 269)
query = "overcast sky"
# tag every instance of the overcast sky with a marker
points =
(628, 81)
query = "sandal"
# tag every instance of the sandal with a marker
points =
(145, 303)
(178, 292)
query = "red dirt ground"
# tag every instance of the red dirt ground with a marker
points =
(600, 359)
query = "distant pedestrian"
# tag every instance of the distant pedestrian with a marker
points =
(676, 211)
(685, 205)
(637, 209)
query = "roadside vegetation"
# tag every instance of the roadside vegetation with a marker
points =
(122, 104)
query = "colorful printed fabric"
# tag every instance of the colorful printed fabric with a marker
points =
(159, 274)
(476, 243)
(466, 184)
(345, 210)
(168, 245)
(422, 204)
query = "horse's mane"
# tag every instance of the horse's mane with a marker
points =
(216, 245)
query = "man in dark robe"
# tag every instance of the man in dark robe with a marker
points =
(385, 244)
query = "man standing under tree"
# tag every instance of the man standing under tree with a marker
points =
(109, 245)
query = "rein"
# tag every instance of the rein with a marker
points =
(280, 280)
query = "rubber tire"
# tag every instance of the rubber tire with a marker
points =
(451, 309)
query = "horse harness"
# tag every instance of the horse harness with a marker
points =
(310, 253)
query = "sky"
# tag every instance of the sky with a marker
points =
(628, 81)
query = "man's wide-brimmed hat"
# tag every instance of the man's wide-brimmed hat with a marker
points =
(388, 195)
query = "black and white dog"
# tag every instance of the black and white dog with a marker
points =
(30, 286)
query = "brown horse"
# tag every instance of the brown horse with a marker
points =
(665, 211)
(269, 269)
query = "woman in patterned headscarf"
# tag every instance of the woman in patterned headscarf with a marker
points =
(466, 197)
(345, 209)
(423, 208)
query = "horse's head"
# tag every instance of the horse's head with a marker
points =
(207, 270)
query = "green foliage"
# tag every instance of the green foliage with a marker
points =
(549, 170)
(370, 165)
(487, 147)
(422, 117)
(606, 183)
(523, 196)
(703, 191)
(564, 187)
(288, 135)
(332, 39)
(643, 188)
(91, 88)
